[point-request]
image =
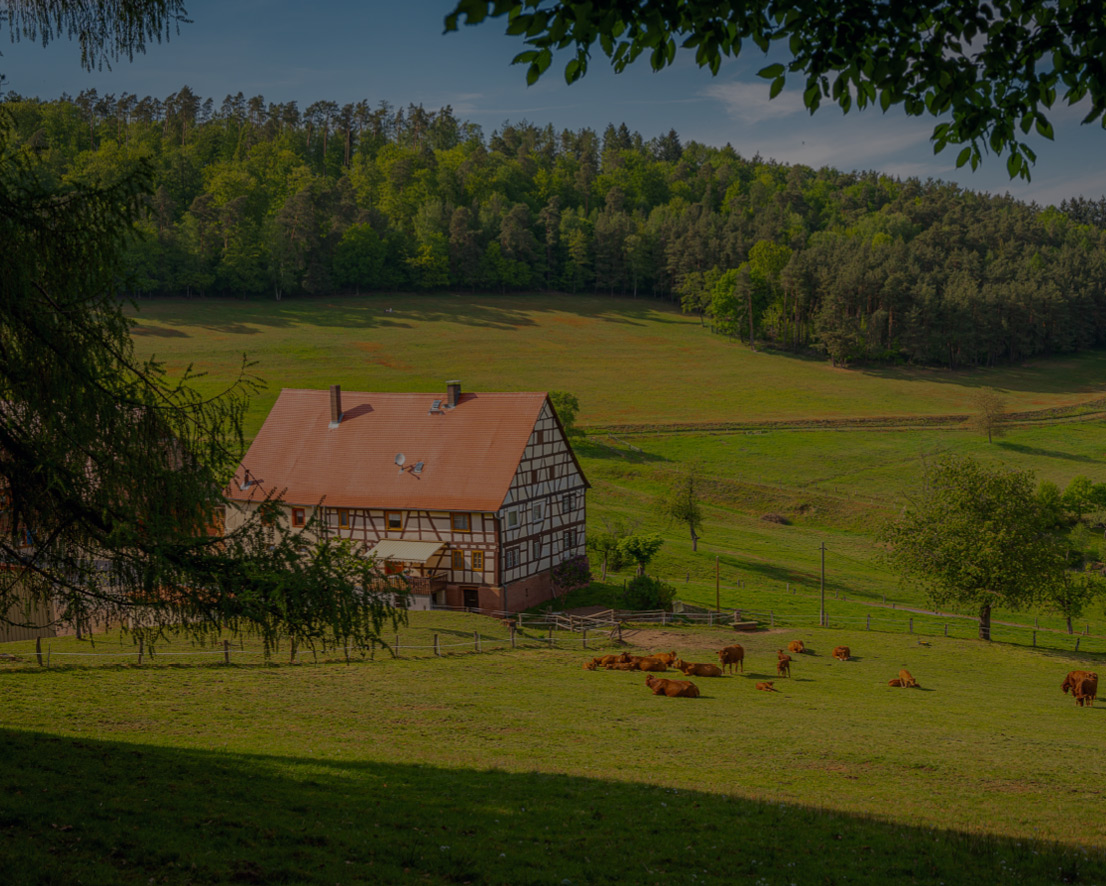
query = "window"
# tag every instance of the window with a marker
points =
(462, 522)
(568, 540)
(541, 437)
(458, 559)
(568, 503)
(512, 558)
(297, 516)
(393, 520)
(537, 548)
(477, 561)
(536, 513)
(512, 519)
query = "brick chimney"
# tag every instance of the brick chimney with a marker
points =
(335, 405)
(453, 391)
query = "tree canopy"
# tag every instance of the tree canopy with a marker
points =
(978, 537)
(994, 69)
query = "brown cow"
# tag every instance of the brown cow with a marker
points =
(647, 663)
(667, 657)
(732, 655)
(622, 666)
(767, 687)
(1086, 690)
(841, 652)
(691, 669)
(796, 646)
(895, 682)
(672, 688)
(783, 667)
(613, 659)
(1072, 679)
(908, 681)
(591, 664)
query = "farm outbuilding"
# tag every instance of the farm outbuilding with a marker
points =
(473, 497)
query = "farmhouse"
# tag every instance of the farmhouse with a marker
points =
(474, 497)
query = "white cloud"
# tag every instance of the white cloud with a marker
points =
(749, 102)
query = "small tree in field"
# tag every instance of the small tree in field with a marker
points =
(682, 503)
(641, 549)
(977, 537)
(990, 408)
(567, 407)
(1074, 593)
(605, 543)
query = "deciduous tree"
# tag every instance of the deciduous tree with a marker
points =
(977, 537)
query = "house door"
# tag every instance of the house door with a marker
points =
(472, 597)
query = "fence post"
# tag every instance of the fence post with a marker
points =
(869, 621)
(911, 625)
(1087, 630)
(292, 657)
(476, 640)
(38, 650)
(664, 618)
(226, 652)
(1077, 644)
(397, 644)
(1037, 623)
(437, 648)
(946, 628)
(514, 644)
(1034, 638)
(520, 619)
(585, 638)
(140, 649)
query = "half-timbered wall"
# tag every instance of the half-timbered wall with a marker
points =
(543, 515)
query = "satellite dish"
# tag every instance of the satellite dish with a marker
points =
(401, 459)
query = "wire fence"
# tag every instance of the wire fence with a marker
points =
(602, 630)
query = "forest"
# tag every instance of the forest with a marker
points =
(251, 197)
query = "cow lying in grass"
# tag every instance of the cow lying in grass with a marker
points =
(796, 646)
(605, 660)
(622, 666)
(732, 655)
(1083, 686)
(672, 688)
(767, 687)
(667, 657)
(691, 669)
(895, 682)
(841, 652)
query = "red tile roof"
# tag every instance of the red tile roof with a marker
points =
(470, 453)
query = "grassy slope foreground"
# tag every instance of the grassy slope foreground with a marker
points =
(523, 768)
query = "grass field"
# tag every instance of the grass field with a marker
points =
(520, 767)
(628, 360)
(516, 766)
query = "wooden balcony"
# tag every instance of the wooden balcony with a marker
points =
(426, 584)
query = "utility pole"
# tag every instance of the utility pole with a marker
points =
(822, 615)
(717, 587)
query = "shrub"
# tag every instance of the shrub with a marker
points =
(645, 592)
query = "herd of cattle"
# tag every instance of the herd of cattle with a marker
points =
(1083, 685)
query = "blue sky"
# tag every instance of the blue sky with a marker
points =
(344, 52)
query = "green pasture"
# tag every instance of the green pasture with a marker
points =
(521, 767)
(628, 360)
(835, 487)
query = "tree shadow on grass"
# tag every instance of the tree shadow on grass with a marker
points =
(85, 810)
(1046, 453)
